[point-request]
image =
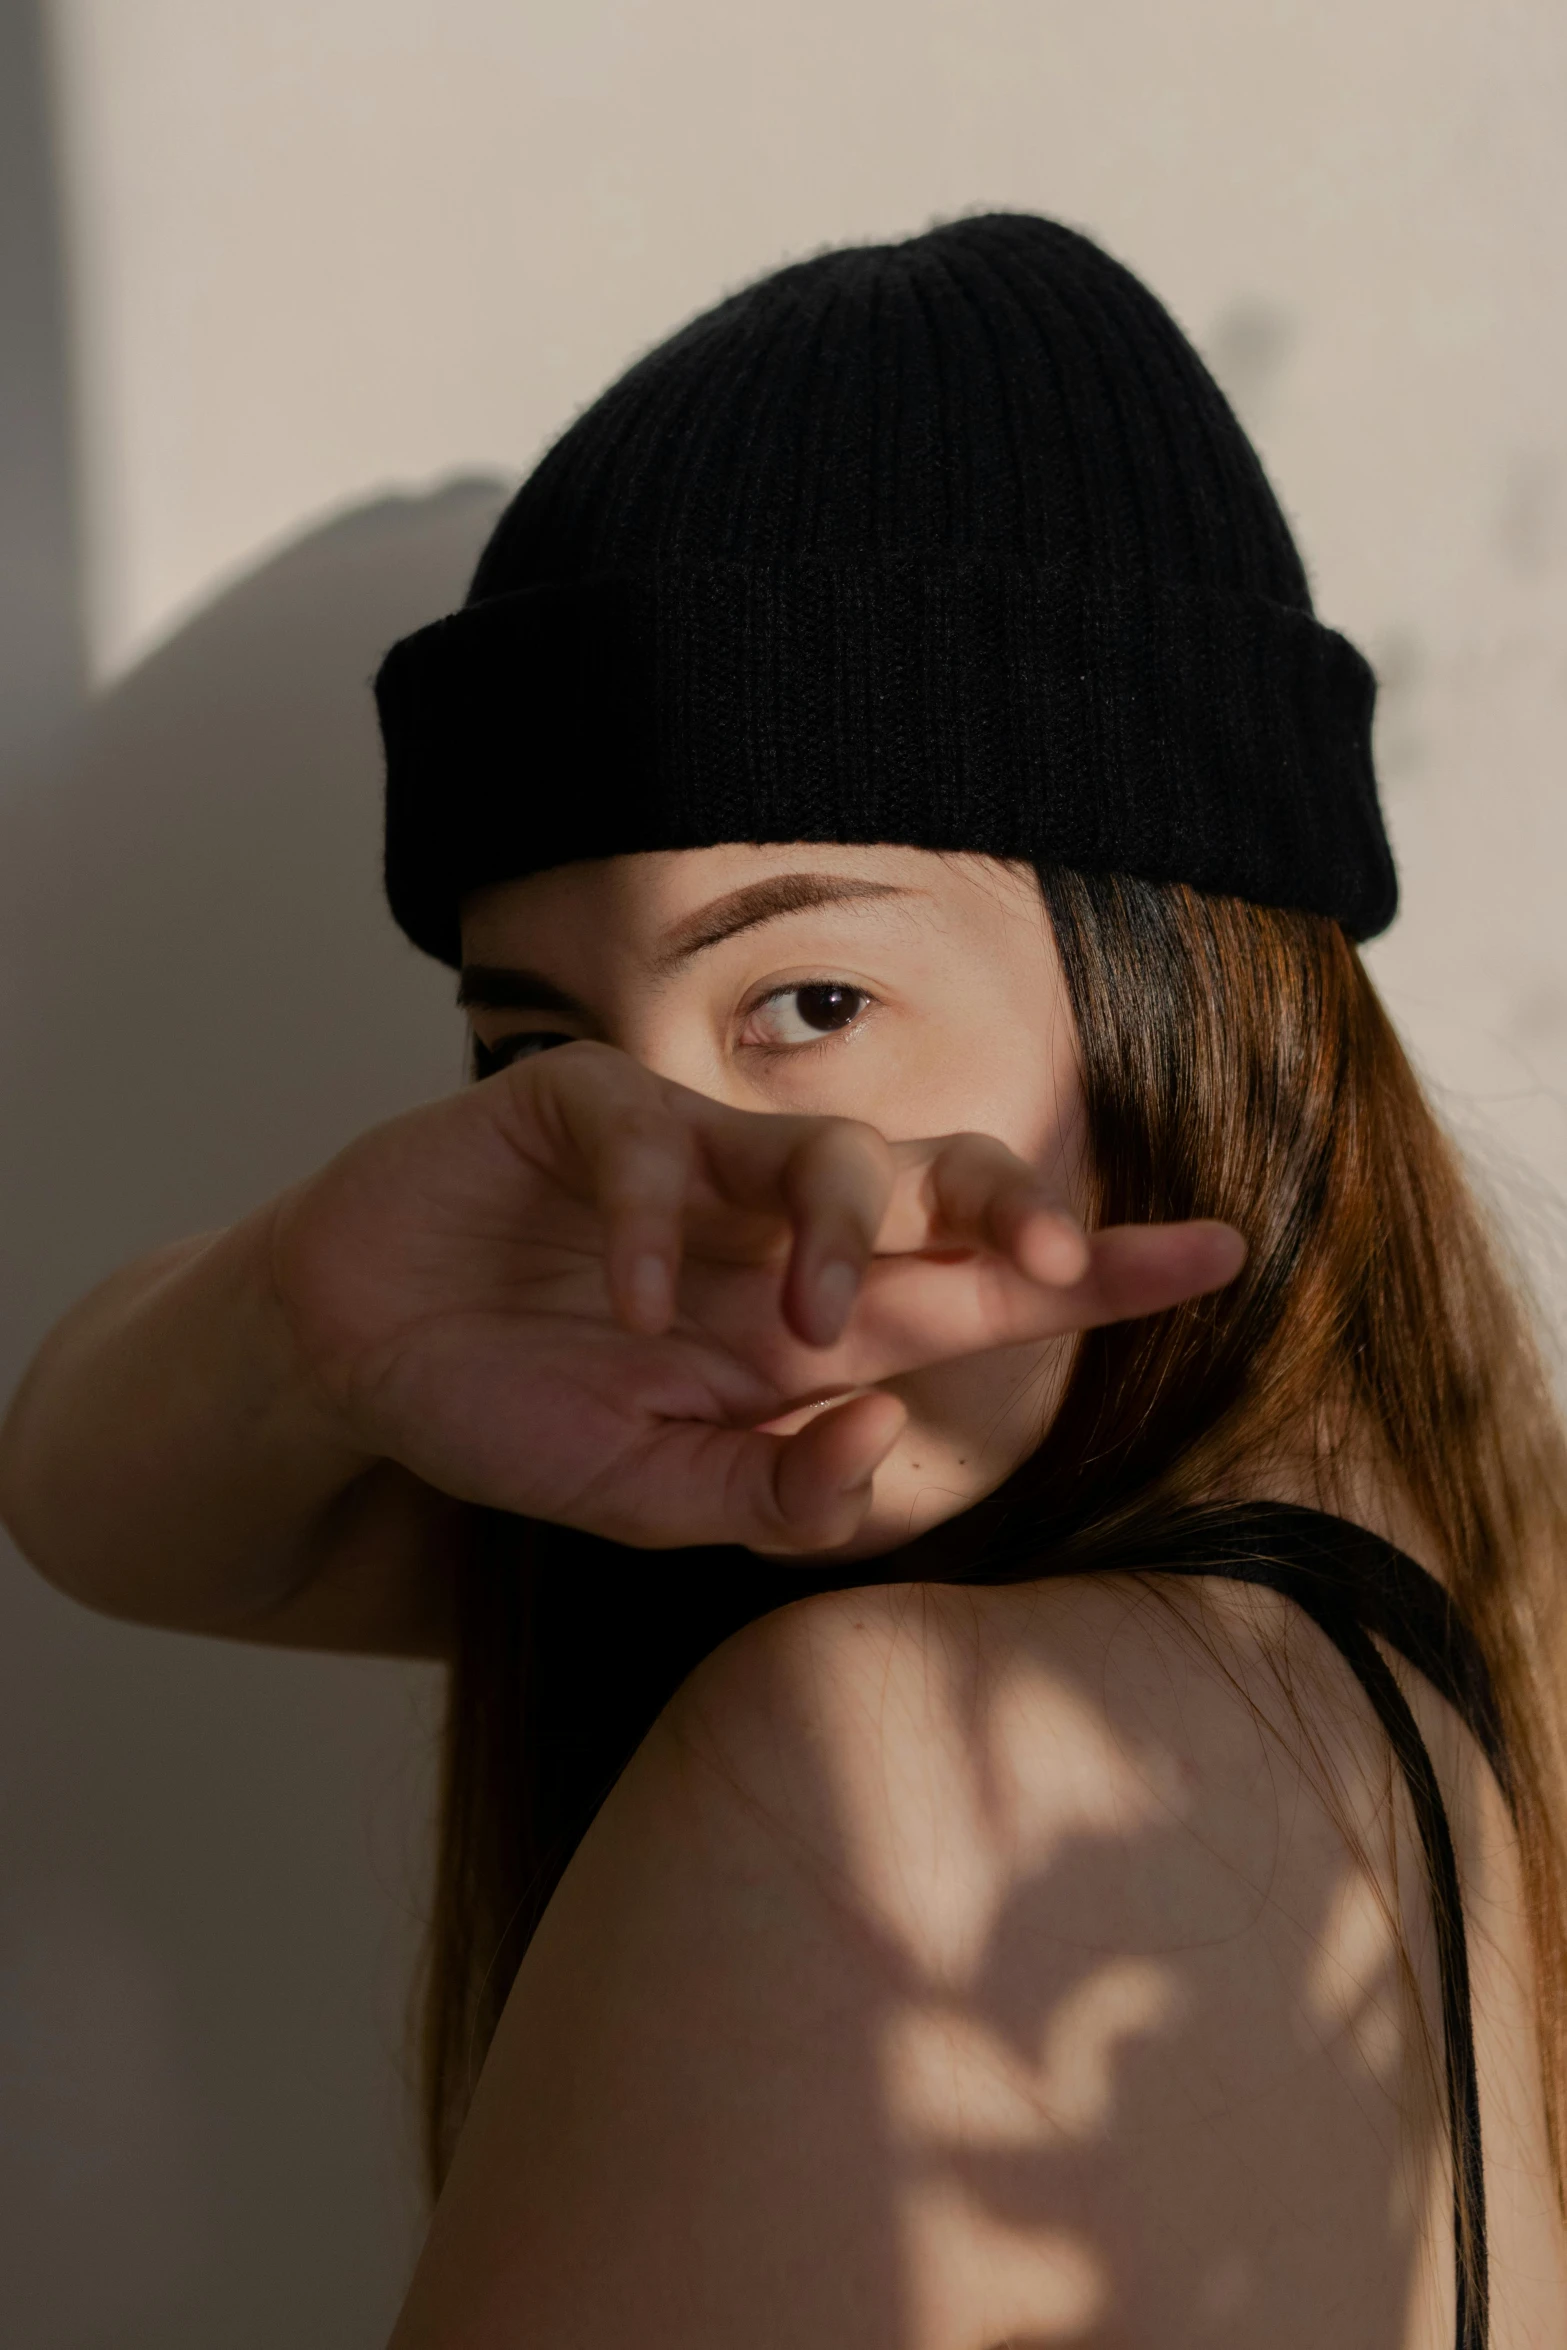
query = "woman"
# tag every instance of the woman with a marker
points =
(1060, 1840)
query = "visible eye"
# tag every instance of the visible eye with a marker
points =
(488, 1058)
(805, 1013)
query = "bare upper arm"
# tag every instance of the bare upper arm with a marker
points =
(952, 1968)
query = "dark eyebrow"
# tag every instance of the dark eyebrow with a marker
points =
(494, 987)
(762, 901)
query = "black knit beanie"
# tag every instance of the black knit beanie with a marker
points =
(953, 543)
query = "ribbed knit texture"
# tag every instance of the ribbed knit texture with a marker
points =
(953, 543)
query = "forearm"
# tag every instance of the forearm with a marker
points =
(166, 1457)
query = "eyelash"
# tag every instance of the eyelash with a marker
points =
(490, 1059)
(827, 1036)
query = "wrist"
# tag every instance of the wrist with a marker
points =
(292, 1400)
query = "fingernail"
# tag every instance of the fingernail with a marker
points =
(649, 1289)
(836, 1287)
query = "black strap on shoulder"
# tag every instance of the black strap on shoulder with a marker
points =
(1463, 2088)
(1353, 1585)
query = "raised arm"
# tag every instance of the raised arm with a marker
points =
(577, 1291)
(169, 1458)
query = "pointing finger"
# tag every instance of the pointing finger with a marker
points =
(1143, 1268)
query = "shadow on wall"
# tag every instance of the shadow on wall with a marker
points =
(207, 1854)
(206, 991)
(40, 630)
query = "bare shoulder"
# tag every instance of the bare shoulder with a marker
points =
(980, 1726)
(954, 1967)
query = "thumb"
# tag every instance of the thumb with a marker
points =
(823, 1477)
(784, 1496)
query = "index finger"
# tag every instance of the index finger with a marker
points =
(972, 1191)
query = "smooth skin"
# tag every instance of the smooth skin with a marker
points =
(949, 1968)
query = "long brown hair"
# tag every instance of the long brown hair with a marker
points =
(1237, 1063)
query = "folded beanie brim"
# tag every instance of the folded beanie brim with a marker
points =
(1111, 722)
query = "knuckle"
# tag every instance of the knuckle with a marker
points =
(642, 1141)
(848, 1144)
(642, 1126)
(970, 1166)
(568, 1065)
(569, 1086)
(975, 1148)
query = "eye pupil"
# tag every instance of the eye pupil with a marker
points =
(826, 1007)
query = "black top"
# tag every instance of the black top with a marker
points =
(1356, 1587)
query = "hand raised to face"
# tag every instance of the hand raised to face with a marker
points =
(580, 1291)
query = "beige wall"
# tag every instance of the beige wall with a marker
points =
(324, 246)
(315, 258)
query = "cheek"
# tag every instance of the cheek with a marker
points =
(1016, 1078)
